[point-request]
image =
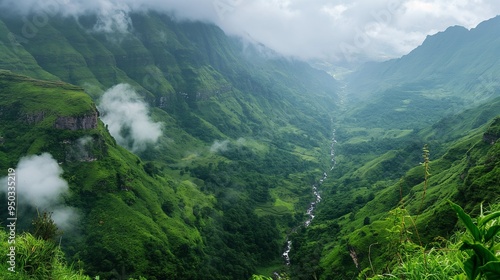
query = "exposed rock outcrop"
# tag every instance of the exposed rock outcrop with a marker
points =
(88, 121)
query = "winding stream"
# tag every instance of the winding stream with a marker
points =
(312, 206)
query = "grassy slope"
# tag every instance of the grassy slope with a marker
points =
(14, 57)
(37, 259)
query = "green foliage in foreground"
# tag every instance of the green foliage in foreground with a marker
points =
(36, 259)
(483, 246)
(39, 259)
(44, 227)
(470, 254)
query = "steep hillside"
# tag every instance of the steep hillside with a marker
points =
(379, 193)
(456, 59)
(122, 220)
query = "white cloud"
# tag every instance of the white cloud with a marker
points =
(320, 29)
(127, 117)
(66, 218)
(40, 185)
(348, 30)
(39, 180)
(113, 19)
(241, 141)
(219, 146)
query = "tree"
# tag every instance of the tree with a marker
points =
(44, 227)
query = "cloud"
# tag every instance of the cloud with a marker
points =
(114, 19)
(219, 146)
(351, 30)
(39, 180)
(127, 118)
(66, 218)
(321, 29)
(40, 185)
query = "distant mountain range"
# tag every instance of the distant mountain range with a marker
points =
(457, 62)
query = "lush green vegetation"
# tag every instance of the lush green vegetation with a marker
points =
(468, 254)
(379, 212)
(191, 211)
(173, 226)
(380, 191)
(245, 135)
(37, 259)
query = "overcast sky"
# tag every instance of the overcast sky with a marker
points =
(307, 29)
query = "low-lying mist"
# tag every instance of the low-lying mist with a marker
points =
(127, 118)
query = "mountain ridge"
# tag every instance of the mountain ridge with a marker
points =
(437, 62)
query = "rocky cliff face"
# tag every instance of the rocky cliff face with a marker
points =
(88, 121)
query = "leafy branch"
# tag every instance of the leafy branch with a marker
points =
(482, 259)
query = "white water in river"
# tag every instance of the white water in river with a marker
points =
(317, 199)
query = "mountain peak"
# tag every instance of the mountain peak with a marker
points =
(489, 27)
(449, 37)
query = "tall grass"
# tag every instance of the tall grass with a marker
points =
(36, 259)
(469, 254)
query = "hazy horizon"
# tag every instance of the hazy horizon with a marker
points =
(320, 30)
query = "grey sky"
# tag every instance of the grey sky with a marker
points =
(307, 29)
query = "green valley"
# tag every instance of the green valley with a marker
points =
(242, 135)
(166, 149)
(404, 151)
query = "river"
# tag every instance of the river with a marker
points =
(317, 199)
